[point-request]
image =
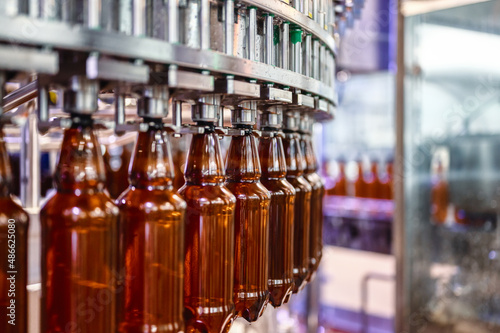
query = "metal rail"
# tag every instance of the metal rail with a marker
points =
(61, 35)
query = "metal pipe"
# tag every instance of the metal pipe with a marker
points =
(315, 10)
(50, 9)
(30, 161)
(229, 27)
(20, 96)
(119, 110)
(315, 59)
(177, 114)
(205, 24)
(125, 14)
(43, 103)
(93, 14)
(285, 45)
(252, 32)
(307, 55)
(173, 21)
(139, 17)
(296, 39)
(269, 39)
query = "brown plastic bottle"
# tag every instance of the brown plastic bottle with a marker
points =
(385, 184)
(363, 182)
(251, 227)
(375, 186)
(209, 238)
(439, 196)
(295, 166)
(79, 240)
(13, 253)
(318, 191)
(151, 232)
(273, 164)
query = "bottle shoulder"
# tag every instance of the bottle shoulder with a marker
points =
(11, 210)
(207, 194)
(80, 207)
(315, 180)
(279, 186)
(249, 190)
(150, 200)
(300, 184)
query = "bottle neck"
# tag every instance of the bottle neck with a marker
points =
(243, 162)
(272, 158)
(80, 166)
(308, 152)
(295, 162)
(204, 161)
(5, 171)
(152, 165)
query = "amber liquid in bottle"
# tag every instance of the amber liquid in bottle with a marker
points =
(209, 238)
(318, 191)
(273, 164)
(79, 240)
(151, 230)
(251, 227)
(13, 253)
(295, 166)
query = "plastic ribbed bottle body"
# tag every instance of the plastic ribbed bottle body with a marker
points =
(295, 164)
(316, 220)
(13, 251)
(209, 239)
(151, 256)
(281, 216)
(79, 241)
(251, 228)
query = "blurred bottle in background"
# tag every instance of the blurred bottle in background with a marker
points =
(439, 195)
(13, 251)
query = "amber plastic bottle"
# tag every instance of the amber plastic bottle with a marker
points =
(295, 166)
(152, 239)
(273, 164)
(385, 184)
(439, 196)
(209, 238)
(375, 187)
(251, 227)
(318, 191)
(364, 182)
(79, 240)
(13, 253)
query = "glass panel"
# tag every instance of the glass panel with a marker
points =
(452, 169)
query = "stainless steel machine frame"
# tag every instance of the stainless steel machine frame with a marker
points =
(213, 54)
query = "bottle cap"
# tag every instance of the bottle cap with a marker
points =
(154, 102)
(81, 95)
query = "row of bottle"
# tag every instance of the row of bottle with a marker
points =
(157, 260)
(364, 179)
